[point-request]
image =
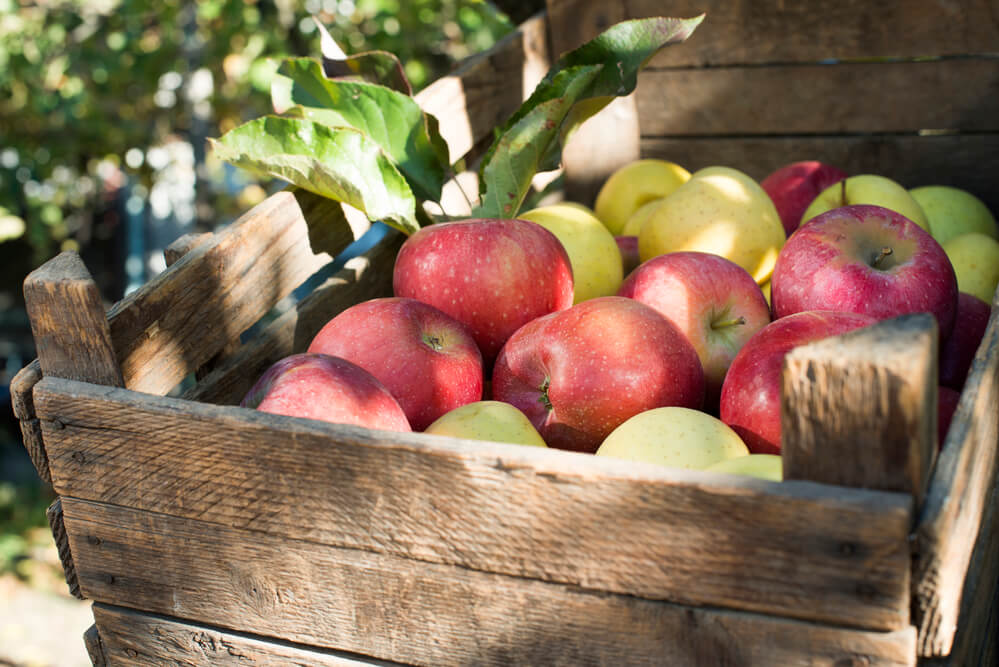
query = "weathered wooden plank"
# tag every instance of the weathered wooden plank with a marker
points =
(138, 639)
(68, 322)
(181, 318)
(753, 33)
(366, 276)
(963, 160)
(860, 409)
(825, 99)
(95, 648)
(54, 514)
(488, 87)
(817, 552)
(952, 515)
(425, 613)
(24, 409)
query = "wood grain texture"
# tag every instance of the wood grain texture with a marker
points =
(181, 318)
(860, 409)
(487, 88)
(820, 553)
(952, 515)
(95, 648)
(965, 160)
(425, 613)
(366, 276)
(69, 323)
(54, 514)
(138, 639)
(821, 99)
(23, 404)
(779, 32)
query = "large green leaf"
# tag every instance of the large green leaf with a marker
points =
(341, 163)
(581, 83)
(379, 67)
(392, 119)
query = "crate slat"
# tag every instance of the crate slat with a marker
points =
(412, 611)
(826, 99)
(363, 277)
(746, 32)
(960, 488)
(821, 553)
(23, 404)
(139, 639)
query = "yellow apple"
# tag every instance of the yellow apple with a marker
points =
(638, 218)
(868, 189)
(487, 420)
(764, 466)
(722, 211)
(634, 184)
(673, 436)
(952, 212)
(593, 253)
(765, 287)
(975, 258)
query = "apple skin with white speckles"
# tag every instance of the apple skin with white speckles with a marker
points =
(579, 373)
(319, 386)
(492, 275)
(426, 358)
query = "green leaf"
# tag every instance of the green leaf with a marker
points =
(379, 67)
(393, 120)
(523, 148)
(581, 83)
(341, 163)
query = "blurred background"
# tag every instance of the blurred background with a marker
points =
(105, 106)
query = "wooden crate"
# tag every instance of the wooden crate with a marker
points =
(210, 534)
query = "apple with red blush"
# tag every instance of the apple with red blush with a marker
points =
(947, 400)
(579, 373)
(426, 358)
(794, 186)
(751, 392)
(492, 275)
(628, 246)
(864, 259)
(958, 350)
(712, 300)
(319, 386)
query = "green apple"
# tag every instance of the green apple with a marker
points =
(487, 420)
(673, 436)
(634, 184)
(722, 211)
(593, 253)
(764, 466)
(975, 258)
(868, 189)
(952, 212)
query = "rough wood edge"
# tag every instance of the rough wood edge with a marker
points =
(871, 396)
(949, 522)
(141, 638)
(95, 647)
(22, 401)
(58, 526)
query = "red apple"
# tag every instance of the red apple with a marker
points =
(712, 300)
(958, 350)
(579, 373)
(793, 187)
(947, 400)
(426, 358)
(751, 393)
(318, 386)
(864, 259)
(628, 245)
(492, 275)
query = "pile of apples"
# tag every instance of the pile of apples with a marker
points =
(653, 326)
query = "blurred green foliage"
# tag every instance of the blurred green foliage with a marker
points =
(90, 87)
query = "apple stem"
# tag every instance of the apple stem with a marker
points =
(885, 251)
(842, 192)
(543, 399)
(729, 323)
